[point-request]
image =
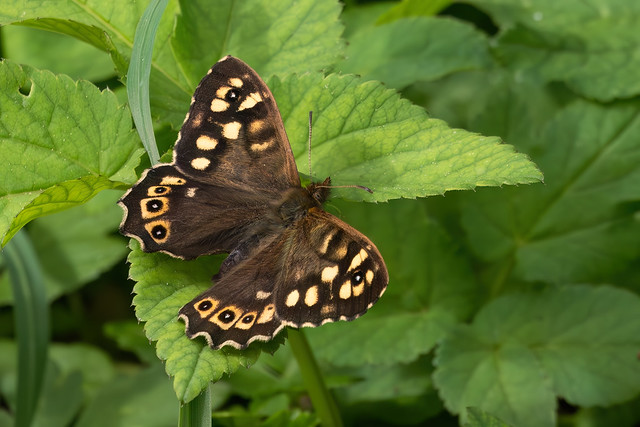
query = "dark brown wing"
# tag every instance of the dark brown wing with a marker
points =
(330, 272)
(240, 307)
(233, 134)
(231, 159)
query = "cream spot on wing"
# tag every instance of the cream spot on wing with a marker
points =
(218, 105)
(341, 251)
(267, 314)
(250, 101)
(311, 296)
(191, 192)
(292, 298)
(382, 291)
(172, 180)
(327, 309)
(358, 289)
(325, 243)
(222, 91)
(345, 290)
(329, 273)
(205, 142)
(231, 130)
(200, 163)
(262, 295)
(193, 98)
(235, 82)
(261, 146)
(358, 259)
(369, 277)
(256, 126)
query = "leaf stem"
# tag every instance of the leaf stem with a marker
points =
(198, 411)
(321, 397)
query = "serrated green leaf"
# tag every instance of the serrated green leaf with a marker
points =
(590, 45)
(295, 36)
(163, 286)
(523, 349)
(58, 153)
(575, 228)
(479, 418)
(414, 49)
(360, 128)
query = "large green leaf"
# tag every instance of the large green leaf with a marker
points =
(578, 226)
(524, 349)
(414, 49)
(590, 45)
(367, 135)
(63, 142)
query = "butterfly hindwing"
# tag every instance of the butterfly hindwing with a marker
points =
(240, 307)
(331, 272)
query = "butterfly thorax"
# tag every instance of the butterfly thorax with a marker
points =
(298, 201)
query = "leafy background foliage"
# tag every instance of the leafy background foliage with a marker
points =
(516, 304)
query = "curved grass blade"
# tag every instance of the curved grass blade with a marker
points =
(138, 76)
(31, 324)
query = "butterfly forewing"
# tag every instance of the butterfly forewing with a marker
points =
(233, 134)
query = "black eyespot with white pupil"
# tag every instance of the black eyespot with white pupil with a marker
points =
(159, 232)
(160, 190)
(227, 316)
(357, 277)
(232, 95)
(247, 319)
(205, 305)
(154, 205)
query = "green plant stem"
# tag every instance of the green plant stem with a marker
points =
(198, 411)
(31, 323)
(321, 398)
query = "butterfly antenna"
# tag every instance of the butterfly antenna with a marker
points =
(309, 145)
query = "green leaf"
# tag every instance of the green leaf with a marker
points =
(85, 246)
(591, 46)
(431, 287)
(524, 349)
(143, 399)
(363, 127)
(61, 399)
(577, 227)
(58, 154)
(55, 52)
(414, 49)
(295, 36)
(479, 418)
(406, 8)
(130, 336)
(163, 286)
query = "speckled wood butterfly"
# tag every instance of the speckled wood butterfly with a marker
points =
(233, 187)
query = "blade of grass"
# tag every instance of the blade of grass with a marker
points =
(321, 397)
(138, 76)
(31, 324)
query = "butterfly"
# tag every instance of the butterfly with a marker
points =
(233, 187)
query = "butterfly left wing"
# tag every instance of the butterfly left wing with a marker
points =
(331, 272)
